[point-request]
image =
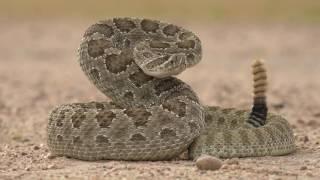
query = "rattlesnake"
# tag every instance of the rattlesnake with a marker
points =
(154, 116)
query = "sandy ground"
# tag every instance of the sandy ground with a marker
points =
(39, 69)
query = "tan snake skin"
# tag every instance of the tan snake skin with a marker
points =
(154, 116)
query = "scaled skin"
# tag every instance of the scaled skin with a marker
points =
(152, 116)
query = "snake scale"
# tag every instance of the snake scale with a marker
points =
(153, 115)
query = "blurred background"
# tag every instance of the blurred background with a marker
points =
(185, 10)
(39, 41)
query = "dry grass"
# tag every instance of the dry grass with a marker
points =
(252, 10)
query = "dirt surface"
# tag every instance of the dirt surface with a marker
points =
(39, 70)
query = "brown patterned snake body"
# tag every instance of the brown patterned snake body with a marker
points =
(154, 116)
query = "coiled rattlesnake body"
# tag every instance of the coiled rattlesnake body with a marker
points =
(154, 116)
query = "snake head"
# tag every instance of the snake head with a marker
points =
(162, 59)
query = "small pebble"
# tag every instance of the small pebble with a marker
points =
(300, 121)
(303, 168)
(309, 174)
(278, 106)
(312, 123)
(206, 162)
(36, 147)
(49, 156)
(316, 114)
(52, 166)
(232, 161)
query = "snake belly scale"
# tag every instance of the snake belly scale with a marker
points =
(152, 115)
